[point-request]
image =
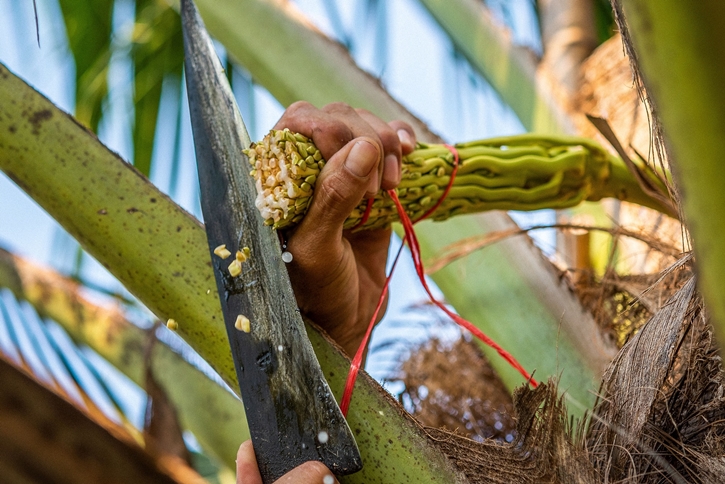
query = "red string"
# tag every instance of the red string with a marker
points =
(357, 360)
(412, 241)
(448, 187)
(366, 214)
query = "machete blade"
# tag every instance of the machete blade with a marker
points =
(292, 414)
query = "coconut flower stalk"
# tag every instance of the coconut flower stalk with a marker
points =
(524, 172)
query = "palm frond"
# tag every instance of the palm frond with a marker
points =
(509, 68)
(154, 47)
(45, 350)
(157, 53)
(89, 24)
(106, 334)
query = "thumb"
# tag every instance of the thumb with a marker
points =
(312, 472)
(342, 184)
(247, 471)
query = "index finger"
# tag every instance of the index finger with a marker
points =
(331, 128)
(392, 149)
(406, 135)
(328, 132)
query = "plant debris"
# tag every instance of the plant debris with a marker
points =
(222, 251)
(474, 404)
(660, 417)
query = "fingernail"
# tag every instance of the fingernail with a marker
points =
(362, 158)
(391, 171)
(405, 139)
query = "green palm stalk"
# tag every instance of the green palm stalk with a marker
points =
(525, 172)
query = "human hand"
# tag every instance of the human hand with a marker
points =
(312, 472)
(338, 275)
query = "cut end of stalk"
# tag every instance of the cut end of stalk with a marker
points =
(285, 166)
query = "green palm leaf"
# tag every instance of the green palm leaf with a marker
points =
(157, 53)
(89, 26)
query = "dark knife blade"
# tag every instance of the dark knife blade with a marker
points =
(292, 415)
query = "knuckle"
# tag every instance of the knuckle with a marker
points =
(398, 124)
(333, 194)
(338, 107)
(332, 129)
(390, 139)
(385, 133)
(296, 114)
(298, 106)
(364, 112)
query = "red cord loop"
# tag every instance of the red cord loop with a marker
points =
(412, 241)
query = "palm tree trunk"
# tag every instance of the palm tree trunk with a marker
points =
(569, 37)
